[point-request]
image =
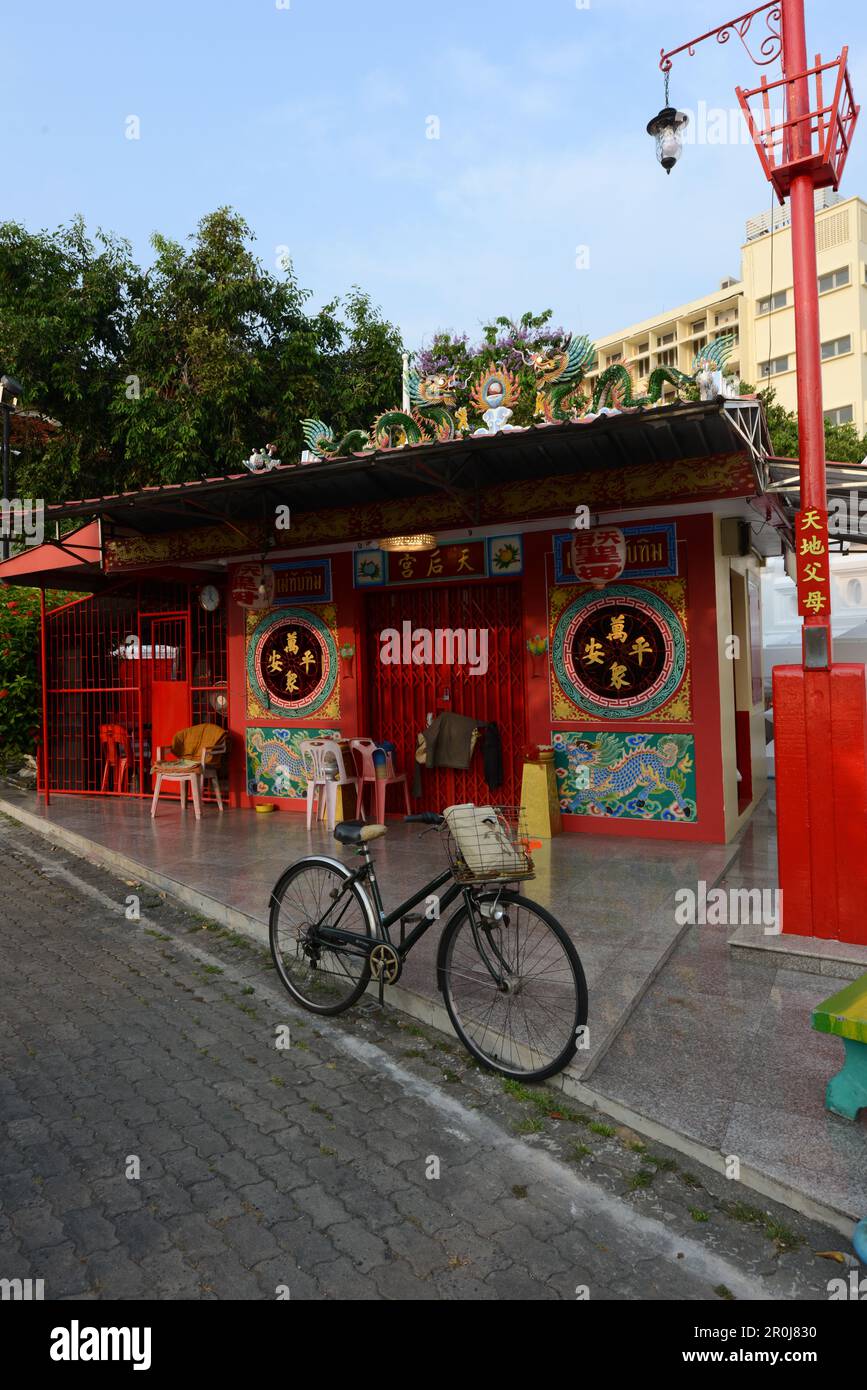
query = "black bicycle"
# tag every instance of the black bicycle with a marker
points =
(510, 977)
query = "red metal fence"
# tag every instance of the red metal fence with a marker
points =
(125, 671)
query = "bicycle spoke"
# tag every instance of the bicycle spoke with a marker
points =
(527, 1022)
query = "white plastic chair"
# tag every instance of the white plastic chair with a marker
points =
(325, 771)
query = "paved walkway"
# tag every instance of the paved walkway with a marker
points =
(157, 1142)
(717, 1050)
(615, 896)
(721, 1050)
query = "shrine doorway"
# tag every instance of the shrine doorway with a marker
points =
(401, 696)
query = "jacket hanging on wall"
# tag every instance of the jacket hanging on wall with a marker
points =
(449, 740)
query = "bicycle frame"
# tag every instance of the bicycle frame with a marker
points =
(384, 920)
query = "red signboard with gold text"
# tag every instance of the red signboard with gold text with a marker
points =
(812, 560)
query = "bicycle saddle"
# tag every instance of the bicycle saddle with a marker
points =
(356, 832)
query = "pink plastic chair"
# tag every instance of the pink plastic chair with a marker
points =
(326, 771)
(382, 778)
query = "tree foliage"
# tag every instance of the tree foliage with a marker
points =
(177, 371)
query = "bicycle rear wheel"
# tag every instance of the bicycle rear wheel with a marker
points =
(527, 1026)
(325, 978)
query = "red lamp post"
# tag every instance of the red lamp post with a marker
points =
(820, 708)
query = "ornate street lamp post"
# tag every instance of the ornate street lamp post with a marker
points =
(820, 709)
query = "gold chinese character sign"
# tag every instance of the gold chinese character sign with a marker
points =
(621, 653)
(292, 662)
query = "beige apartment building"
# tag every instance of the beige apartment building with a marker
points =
(758, 310)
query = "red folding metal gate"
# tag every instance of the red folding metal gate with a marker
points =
(401, 696)
(125, 671)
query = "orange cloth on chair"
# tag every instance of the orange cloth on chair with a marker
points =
(187, 746)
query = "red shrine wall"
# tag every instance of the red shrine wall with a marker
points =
(629, 690)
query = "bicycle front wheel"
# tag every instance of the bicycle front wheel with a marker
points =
(523, 1019)
(325, 977)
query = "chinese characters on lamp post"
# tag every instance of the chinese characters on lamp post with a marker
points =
(812, 561)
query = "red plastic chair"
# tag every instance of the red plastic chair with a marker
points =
(116, 756)
(363, 750)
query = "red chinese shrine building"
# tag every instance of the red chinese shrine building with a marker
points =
(263, 602)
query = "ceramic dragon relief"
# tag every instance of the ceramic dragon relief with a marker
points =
(560, 371)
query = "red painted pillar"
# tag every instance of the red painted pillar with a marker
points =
(820, 714)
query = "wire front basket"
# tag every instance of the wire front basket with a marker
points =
(487, 844)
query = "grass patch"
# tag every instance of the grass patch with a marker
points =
(662, 1165)
(519, 1191)
(414, 1052)
(690, 1179)
(580, 1151)
(212, 969)
(636, 1146)
(452, 1077)
(278, 1081)
(722, 1291)
(643, 1178)
(782, 1236)
(698, 1215)
(531, 1125)
(544, 1101)
(598, 1128)
(160, 935)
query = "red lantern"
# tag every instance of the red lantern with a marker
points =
(598, 555)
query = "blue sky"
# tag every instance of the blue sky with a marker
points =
(312, 121)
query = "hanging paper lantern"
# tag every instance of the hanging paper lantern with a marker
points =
(253, 586)
(598, 555)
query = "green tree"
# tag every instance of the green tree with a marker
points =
(66, 304)
(178, 371)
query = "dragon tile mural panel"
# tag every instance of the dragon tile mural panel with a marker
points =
(274, 766)
(620, 653)
(621, 776)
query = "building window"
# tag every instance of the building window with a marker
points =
(612, 358)
(642, 367)
(772, 301)
(836, 347)
(834, 279)
(843, 415)
(668, 358)
(774, 367)
(700, 343)
(853, 593)
(699, 326)
(665, 340)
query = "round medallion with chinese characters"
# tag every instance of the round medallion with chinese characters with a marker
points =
(291, 661)
(621, 653)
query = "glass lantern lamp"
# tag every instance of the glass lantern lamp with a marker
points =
(666, 128)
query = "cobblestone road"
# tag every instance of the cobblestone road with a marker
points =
(157, 1142)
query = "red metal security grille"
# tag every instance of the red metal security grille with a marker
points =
(112, 664)
(401, 696)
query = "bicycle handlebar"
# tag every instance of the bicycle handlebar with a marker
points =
(426, 818)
